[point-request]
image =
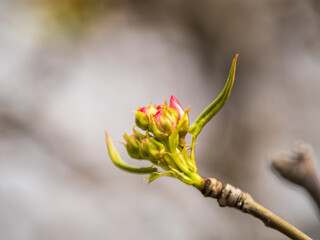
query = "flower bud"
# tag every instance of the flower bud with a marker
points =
(159, 106)
(163, 123)
(152, 149)
(184, 128)
(143, 116)
(132, 145)
(174, 104)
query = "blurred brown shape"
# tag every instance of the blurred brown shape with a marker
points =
(299, 169)
(70, 17)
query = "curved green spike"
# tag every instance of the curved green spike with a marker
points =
(155, 175)
(216, 105)
(171, 173)
(116, 159)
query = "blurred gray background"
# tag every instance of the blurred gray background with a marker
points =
(71, 69)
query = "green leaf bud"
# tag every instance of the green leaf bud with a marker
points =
(152, 149)
(132, 145)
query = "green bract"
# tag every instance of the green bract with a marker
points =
(163, 143)
(216, 105)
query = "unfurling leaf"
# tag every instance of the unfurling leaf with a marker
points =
(216, 105)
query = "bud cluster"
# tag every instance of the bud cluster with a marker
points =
(162, 141)
(159, 123)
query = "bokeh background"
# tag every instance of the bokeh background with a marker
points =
(72, 68)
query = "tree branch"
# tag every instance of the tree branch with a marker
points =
(228, 195)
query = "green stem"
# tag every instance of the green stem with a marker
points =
(193, 145)
(273, 221)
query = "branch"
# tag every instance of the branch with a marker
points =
(299, 169)
(228, 195)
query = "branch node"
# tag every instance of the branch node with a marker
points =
(212, 188)
(226, 194)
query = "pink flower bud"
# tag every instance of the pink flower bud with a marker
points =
(166, 120)
(159, 106)
(143, 116)
(144, 110)
(174, 104)
(182, 116)
(163, 123)
(157, 117)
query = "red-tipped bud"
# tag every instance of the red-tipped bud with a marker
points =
(159, 106)
(157, 117)
(174, 104)
(143, 110)
(163, 123)
(143, 116)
